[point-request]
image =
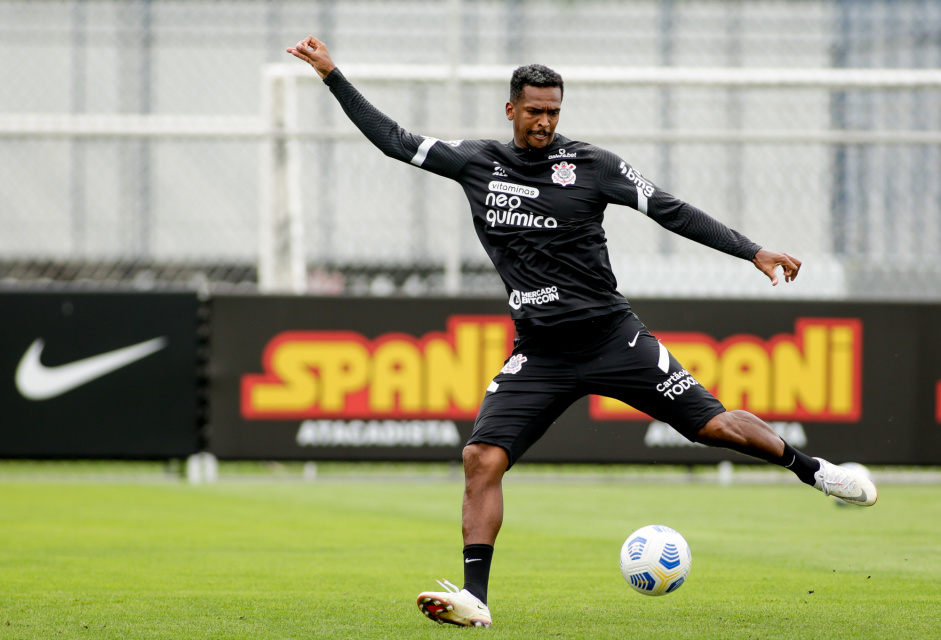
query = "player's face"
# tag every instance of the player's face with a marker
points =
(535, 116)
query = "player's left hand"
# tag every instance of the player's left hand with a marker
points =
(768, 262)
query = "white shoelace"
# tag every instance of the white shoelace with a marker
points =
(833, 477)
(447, 585)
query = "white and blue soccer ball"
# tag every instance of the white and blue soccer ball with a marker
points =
(655, 560)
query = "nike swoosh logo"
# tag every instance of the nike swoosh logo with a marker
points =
(469, 560)
(634, 341)
(862, 497)
(35, 381)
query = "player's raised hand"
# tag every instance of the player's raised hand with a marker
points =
(313, 52)
(768, 262)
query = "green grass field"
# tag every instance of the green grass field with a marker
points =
(345, 559)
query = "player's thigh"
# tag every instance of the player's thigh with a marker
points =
(639, 370)
(522, 403)
(685, 405)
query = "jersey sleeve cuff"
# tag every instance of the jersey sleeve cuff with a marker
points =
(334, 78)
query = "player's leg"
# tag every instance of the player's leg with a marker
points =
(746, 433)
(482, 510)
(639, 370)
(481, 519)
(518, 408)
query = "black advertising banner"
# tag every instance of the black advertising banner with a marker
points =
(401, 379)
(98, 375)
(928, 393)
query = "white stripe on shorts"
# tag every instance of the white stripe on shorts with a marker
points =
(664, 363)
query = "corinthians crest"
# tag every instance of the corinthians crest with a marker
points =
(514, 364)
(563, 173)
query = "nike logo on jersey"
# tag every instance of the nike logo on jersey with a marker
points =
(634, 341)
(36, 381)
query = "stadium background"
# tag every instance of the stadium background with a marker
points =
(130, 138)
(144, 147)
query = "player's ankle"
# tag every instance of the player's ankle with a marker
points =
(803, 466)
(477, 559)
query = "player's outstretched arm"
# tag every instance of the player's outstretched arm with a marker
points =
(768, 262)
(394, 141)
(379, 128)
(313, 52)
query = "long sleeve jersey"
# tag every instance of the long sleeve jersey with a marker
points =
(538, 212)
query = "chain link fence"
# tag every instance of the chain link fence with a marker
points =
(133, 136)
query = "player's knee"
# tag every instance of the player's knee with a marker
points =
(720, 430)
(484, 459)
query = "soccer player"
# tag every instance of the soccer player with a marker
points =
(537, 203)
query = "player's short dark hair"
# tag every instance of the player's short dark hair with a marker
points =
(534, 75)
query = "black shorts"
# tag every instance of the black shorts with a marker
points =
(612, 355)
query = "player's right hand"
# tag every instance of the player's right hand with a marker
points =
(313, 52)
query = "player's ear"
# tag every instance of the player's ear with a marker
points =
(509, 111)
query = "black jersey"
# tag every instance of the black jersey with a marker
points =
(538, 212)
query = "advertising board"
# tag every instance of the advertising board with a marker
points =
(98, 375)
(400, 379)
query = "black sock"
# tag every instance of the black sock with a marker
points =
(800, 463)
(477, 559)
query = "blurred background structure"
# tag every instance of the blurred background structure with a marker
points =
(174, 144)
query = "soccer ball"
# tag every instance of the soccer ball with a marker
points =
(655, 560)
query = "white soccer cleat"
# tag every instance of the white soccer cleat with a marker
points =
(454, 606)
(849, 485)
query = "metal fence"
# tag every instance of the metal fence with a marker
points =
(133, 137)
